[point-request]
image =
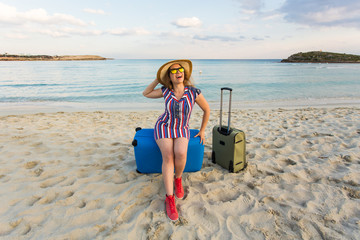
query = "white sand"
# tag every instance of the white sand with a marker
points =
(72, 176)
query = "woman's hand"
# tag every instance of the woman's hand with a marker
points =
(201, 134)
(151, 92)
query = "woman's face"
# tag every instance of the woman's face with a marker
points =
(179, 75)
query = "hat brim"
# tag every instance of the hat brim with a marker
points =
(162, 74)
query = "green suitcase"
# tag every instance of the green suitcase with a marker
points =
(229, 150)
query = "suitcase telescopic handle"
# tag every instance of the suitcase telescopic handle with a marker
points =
(226, 88)
(221, 105)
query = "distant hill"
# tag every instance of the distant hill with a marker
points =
(322, 57)
(10, 57)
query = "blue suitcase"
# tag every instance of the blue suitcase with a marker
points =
(148, 156)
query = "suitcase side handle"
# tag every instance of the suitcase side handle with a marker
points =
(221, 105)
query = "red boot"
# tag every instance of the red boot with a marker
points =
(171, 211)
(179, 190)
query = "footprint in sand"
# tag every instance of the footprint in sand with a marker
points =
(88, 218)
(310, 230)
(290, 178)
(25, 229)
(131, 212)
(156, 231)
(267, 145)
(32, 200)
(196, 188)
(52, 181)
(81, 204)
(18, 226)
(352, 193)
(84, 172)
(95, 204)
(280, 142)
(66, 199)
(69, 181)
(49, 198)
(287, 162)
(67, 194)
(221, 195)
(257, 139)
(30, 165)
(38, 172)
(206, 221)
(232, 224)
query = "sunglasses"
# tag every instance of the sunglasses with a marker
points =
(174, 70)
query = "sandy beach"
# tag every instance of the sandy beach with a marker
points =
(72, 175)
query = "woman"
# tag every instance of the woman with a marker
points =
(172, 128)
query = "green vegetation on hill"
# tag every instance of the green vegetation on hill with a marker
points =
(11, 57)
(322, 57)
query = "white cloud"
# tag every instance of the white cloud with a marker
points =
(56, 25)
(250, 7)
(83, 32)
(51, 32)
(188, 22)
(66, 32)
(345, 13)
(333, 15)
(249, 12)
(10, 15)
(128, 32)
(174, 34)
(260, 9)
(41, 16)
(220, 38)
(272, 16)
(16, 36)
(39, 21)
(94, 11)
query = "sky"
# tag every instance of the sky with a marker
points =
(194, 29)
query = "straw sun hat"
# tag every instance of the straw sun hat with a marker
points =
(163, 74)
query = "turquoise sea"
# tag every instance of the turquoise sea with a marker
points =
(118, 84)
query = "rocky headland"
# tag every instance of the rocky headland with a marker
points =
(322, 57)
(10, 57)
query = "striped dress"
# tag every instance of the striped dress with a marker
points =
(174, 123)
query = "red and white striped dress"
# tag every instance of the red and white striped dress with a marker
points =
(174, 123)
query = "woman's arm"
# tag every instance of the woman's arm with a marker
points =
(203, 104)
(151, 92)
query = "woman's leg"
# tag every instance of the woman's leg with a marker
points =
(166, 146)
(180, 152)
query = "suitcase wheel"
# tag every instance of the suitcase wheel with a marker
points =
(134, 143)
(213, 157)
(231, 166)
(138, 129)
